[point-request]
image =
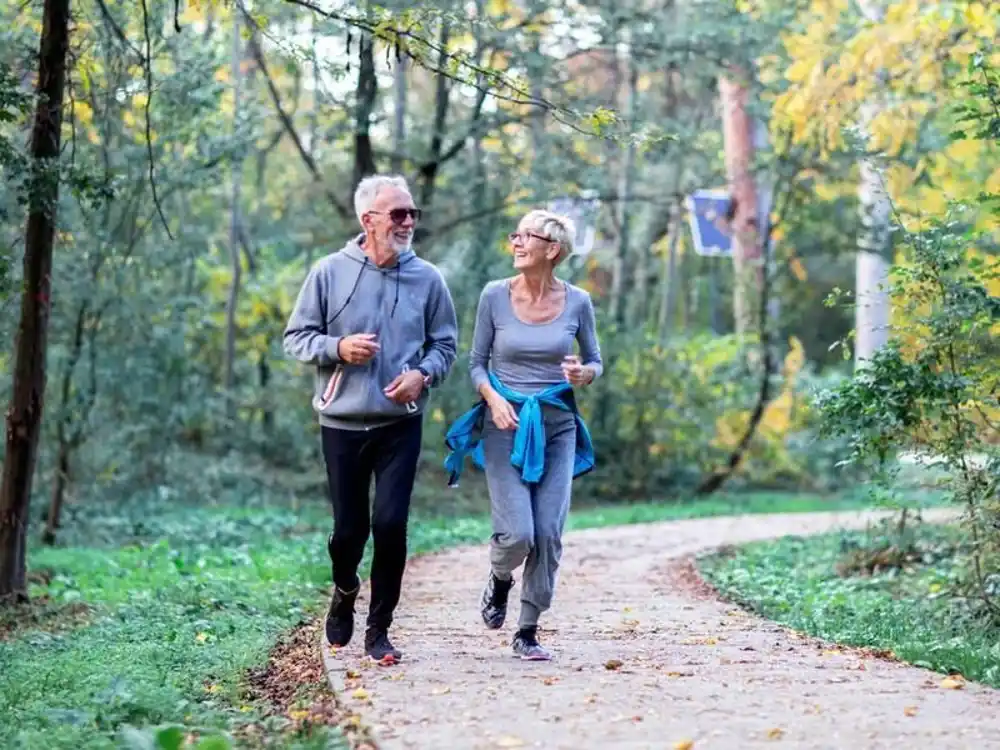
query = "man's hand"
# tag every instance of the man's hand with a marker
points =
(358, 348)
(406, 387)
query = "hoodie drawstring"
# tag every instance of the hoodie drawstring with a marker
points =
(395, 301)
(351, 295)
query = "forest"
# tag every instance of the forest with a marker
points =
(788, 220)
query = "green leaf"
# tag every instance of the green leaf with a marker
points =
(170, 738)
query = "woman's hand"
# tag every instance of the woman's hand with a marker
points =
(576, 373)
(502, 412)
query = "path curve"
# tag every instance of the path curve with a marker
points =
(693, 669)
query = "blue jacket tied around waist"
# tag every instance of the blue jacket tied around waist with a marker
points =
(466, 434)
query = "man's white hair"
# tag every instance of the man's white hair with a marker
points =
(369, 188)
(560, 228)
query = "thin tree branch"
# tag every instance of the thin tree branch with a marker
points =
(494, 81)
(307, 158)
(149, 101)
(110, 20)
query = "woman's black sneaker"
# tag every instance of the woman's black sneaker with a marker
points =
(526, 646)
(494, 601)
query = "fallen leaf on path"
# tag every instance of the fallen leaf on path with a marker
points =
(684, 745)
(612, 664)
(910, 710)
(775, 734)
(510, 741)
(441, 691)
(360, 694)
(953, 682)
(550, 680)
(590, 699)
(352, 674)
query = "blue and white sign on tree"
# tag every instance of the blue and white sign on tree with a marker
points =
(707, 212)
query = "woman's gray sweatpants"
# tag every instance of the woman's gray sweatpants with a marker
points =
(528, 520)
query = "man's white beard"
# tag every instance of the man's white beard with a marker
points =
(401, 246)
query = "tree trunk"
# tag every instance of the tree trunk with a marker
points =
(871, 313)
(442, 93)
(24, 415)
(364, 155)
(668, 292)
(234, 235)
(58, 491)
(621, 267)
(64, 416)
(399, 116)
(737, 131)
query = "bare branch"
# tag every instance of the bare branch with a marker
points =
(307, 158)
(110, 20)
(487, 80)
(149, 101)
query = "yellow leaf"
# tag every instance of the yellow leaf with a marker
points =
(360, 694)
(201, 637)
(910, 710)
(775, 734)
(684, 745)
(953, 682)
(298, 715)
(798, 270)
(510, 741)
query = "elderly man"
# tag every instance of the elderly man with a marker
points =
(380, 326)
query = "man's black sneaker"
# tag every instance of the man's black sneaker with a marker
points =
(340, 616)
(526, 646)
(380, 648)
(494, 602)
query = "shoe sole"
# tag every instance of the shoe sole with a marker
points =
(522, 657)
(387, 661)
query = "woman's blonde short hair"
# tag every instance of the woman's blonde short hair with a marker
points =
(561, 229)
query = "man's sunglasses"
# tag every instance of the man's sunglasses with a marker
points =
(398, 215)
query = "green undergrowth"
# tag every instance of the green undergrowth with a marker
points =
(153, 612)
(903, 602)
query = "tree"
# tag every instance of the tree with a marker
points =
(24, 415)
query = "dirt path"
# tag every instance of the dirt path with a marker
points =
(693, 669)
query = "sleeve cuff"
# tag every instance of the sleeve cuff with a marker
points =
(332, 345)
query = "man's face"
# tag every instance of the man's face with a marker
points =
(390, 220)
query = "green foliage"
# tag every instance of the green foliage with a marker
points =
(667, 413)
(932, 390)
(907, 611)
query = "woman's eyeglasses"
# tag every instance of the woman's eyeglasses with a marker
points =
(523, 236)
(398, 215)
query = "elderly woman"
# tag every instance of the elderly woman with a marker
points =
(533, 441)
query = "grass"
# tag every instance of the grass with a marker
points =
(907, 611)
(172, 604)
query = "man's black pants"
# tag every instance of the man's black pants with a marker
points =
(352, 457)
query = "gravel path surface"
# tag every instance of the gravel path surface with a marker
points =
(646, 657)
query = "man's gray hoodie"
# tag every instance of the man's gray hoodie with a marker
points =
(409, 309)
